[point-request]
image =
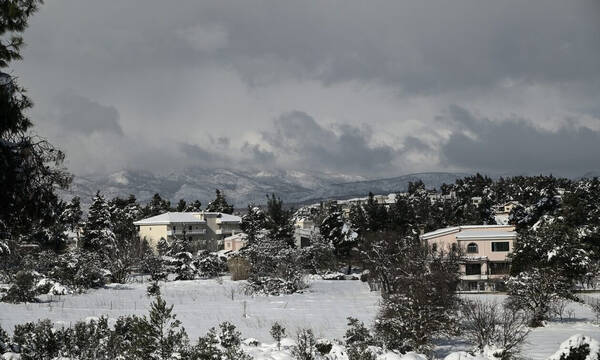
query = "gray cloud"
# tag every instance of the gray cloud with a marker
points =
(517, 145)
(299, 136)
(82, 115)
(198, 83)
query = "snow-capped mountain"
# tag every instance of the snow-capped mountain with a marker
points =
(244, 187)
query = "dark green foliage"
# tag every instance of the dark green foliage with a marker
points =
(37, 341)
(22, 289)
(277, 332)
(31, 167)
(579, 353)
(358, 338)
(253, 223)
(219, 204)
(153, 289)
(157, 206)
(279, 222)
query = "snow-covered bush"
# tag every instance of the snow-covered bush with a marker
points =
(185, 269)
(23, 288)
(577, 347)
(277, 332)
(305, 348)
(210, 265)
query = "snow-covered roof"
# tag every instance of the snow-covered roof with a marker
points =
(237, 236)
(455, 229)
(485, 235)
(227, 218)
(171, 217)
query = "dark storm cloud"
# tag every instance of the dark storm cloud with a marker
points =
(82, 115)
(517, 145)
(348, 148)
(217, 72)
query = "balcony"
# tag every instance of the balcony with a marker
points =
(464, 276)
(186, 232)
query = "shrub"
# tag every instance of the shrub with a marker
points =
(153, 289)
(239, 268)
(210, 265)
(487, 327)
(358, 341)
(305, 348)
(278, 333)
(323, 346)
(23, 288)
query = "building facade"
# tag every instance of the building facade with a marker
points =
(203, 230)
(485, 264)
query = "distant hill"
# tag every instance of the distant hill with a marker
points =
(244, 187)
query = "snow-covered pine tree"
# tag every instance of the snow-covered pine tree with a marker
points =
(219, 204)
(31, 167)
(253, 223)
(98, 235)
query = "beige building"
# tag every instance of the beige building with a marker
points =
(205, 230)
(485, 263)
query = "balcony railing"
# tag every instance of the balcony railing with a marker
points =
(186, 232)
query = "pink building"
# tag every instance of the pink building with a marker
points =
(485, 249)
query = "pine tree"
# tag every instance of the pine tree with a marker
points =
(31, 167)
(196, 206)
(219, 204)
(98, 235)
(279, 222)
(157, 206)
(181, 206)
(163, 336)
(253, 223)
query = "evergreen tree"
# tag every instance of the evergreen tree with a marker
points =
(98, 235)
(31, 167)
(253, 223)
(72, 214)
(181, 206)
(196, 206)
(219, 204)
(163, 337)
(279, 223)
(157, 206)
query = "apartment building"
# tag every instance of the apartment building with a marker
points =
(204, 230)
(485, 263)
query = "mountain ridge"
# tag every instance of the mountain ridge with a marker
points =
(244, 187)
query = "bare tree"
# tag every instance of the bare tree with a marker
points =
(490, 326)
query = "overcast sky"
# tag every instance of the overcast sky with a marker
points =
(371, 88)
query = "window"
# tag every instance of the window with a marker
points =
(453, 247)
(473, 269)
(501, 268)
(434, 247)
(174, 228)
(500, 246)
(472, 248)
(190, 228)
(304, 242)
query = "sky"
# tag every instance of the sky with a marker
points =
(367, 88)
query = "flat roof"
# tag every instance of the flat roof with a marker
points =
(462, 228)
(170, 218)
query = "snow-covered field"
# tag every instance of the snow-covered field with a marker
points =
(324, 307)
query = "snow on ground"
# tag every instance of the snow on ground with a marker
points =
(323, 307)
(202, 304)
(545, 341)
